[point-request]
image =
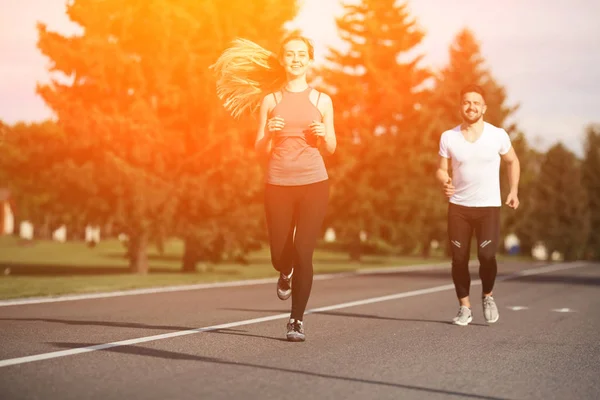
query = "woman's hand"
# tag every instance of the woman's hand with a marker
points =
(275, 124)
(318, 128)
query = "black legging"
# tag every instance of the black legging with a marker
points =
(303, 208)
(461, 223)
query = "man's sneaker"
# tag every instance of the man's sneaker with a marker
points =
(284, 286)
(490, 310)
(295, 331)
(463, 317)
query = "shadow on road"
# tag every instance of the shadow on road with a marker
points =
(238, 332)
(353, 315)
(170, 355)
(103, 323)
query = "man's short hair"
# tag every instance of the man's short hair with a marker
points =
(472, 89)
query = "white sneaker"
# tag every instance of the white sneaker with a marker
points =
(490, 310)
(284, 286)
(295, 331)
(463, 317)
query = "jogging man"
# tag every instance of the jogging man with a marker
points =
(474, 150)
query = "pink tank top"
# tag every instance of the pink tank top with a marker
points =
(295, 158)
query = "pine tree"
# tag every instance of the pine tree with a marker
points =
(375, 90)
(560, 204)
(591, 182)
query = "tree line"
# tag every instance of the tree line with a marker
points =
(141, 143)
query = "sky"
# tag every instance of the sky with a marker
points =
(546, 53)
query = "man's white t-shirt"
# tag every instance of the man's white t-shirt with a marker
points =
(476, 166)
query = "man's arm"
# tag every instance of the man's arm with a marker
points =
(514, 174)
(443, 176)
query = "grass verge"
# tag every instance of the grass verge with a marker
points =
(46, 268)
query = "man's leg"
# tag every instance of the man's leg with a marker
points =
(459, 234)
(487, 230)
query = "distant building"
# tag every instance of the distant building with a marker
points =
(7, 218)
(329, 235)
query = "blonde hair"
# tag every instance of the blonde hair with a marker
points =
(245, 73)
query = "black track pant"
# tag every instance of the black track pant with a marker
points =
(300, 208)
(462, 221)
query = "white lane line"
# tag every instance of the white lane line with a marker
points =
(563, 310)
(181, 288)
(545, 269)
(133, 292)
(88, 349)
(518, 308)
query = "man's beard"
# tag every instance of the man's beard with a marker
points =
(473, 119)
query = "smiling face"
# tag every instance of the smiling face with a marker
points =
(472, 107)
(296, 57)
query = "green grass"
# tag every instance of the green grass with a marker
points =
(46, 268)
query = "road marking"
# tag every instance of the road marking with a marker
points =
(133, 292)
(88, 349)
(517, 308)
(215, 285)
(563, 310)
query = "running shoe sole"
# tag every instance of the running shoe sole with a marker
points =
(457, 322)
(296, 337)
(283, 294)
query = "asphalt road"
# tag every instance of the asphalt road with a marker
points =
(377, 336)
